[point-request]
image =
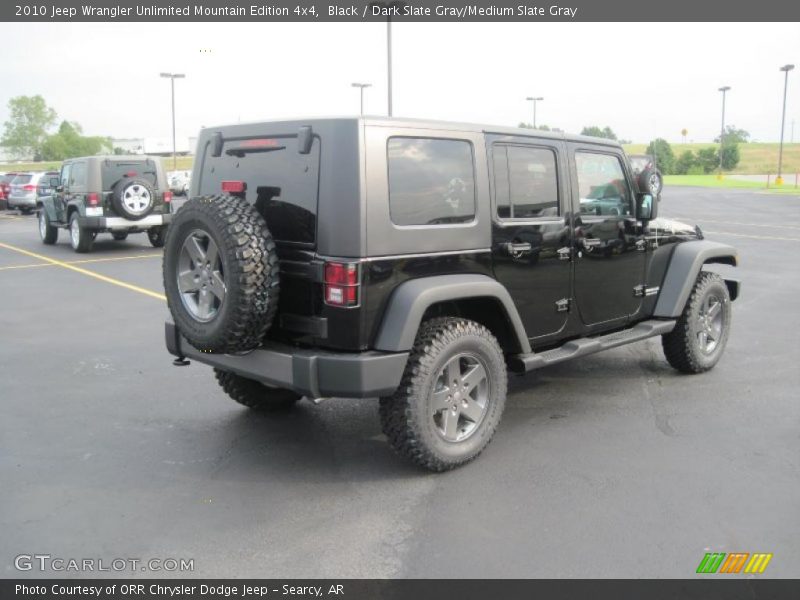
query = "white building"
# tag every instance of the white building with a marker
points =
(158, 146)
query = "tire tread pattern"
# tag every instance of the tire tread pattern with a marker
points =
(398, 412)
(253, 394)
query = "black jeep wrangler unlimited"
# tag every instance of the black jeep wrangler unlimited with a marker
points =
(418, 262)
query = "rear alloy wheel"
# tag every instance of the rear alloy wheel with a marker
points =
(451, 397)
(80, 238)
(47, 232)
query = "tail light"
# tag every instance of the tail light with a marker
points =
(167, 196)
(341, 284)
(234, 187)
(92, 199)
(29, 187)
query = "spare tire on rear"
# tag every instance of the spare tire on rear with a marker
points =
(132, 198)
(221, 274)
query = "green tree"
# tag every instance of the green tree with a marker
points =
(524, 125)
(70, 142)
(685, 162)
(26, 130)
(595, 131)
(708, 159)
(730, 156)
(660, 149)
(734, 136)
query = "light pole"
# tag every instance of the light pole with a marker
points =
(785, 69)
(388, 8)
(172, 77)
(534, 100)
(361, 87)
(724, 90)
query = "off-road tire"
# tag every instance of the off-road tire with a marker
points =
(157, 236)
(120, 236)
(255, 395)
(117, 198)
(47, 232)
(407, 416)
(681, 346)
(251, 273)
(85, 237)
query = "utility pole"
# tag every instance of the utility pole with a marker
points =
(534, 100)
(172, 77)
(724, 90)
(785, 69)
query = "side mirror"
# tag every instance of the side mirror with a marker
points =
(55, 182)
(646, 206)
(59, 187)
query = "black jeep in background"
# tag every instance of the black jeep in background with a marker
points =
(115, 194)
(419, 261)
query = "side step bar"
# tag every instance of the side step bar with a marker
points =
(522, 363)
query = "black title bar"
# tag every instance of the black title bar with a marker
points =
(411, 10)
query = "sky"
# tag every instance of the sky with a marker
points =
(642, 80)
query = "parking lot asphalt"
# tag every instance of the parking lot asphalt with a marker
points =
(613, 465)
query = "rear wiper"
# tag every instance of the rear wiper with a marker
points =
(240, 152)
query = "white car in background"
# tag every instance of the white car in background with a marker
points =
(179, 182)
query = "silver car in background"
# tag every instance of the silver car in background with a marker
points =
(23, 192)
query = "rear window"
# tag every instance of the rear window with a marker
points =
(22, 179)
(431, 181)
(114, 170)
(280, 181)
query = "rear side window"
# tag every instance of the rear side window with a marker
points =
(526, 182)
(431, 181)
(114, 170)
(78, 177)
(282, 183)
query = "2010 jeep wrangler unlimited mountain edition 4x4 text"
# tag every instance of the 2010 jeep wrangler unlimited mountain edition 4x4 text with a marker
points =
(418, 261)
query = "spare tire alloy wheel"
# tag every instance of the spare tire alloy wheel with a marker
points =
(133, 198)
(221, 274)
(200, 276)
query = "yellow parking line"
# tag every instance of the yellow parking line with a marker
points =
(111, 280)
(81, 262)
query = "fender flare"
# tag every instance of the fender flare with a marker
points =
(684, 266)
(408, 303)
(45, 203)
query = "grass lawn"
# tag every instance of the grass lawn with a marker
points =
(755, 158)
(727, 182)
(184, 164)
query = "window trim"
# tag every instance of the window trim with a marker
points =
(559, 218)
(469, 223)
(626, 176)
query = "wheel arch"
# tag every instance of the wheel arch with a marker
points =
(476, 297)
(685, 265)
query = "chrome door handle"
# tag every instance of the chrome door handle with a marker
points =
(517, 248)
(564, 253)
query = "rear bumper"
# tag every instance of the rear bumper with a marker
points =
(120, 223)
(313, 373)
(22, 201)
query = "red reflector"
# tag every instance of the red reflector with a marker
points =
(341, 284)
(29, 187)
(167, 196)
(341, 273)
(260, 143)
(233, 187)
(92, 199)
(131, 174)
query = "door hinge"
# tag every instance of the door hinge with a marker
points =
(638, 291)
(562, 305)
